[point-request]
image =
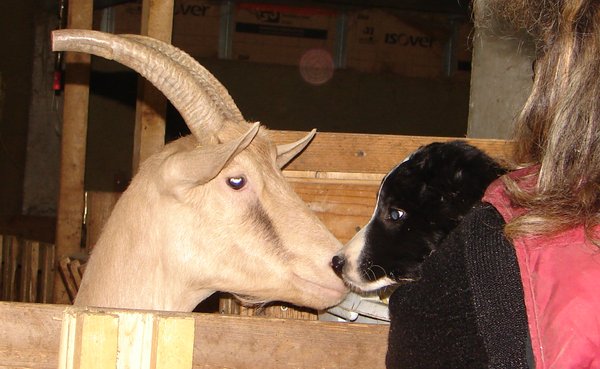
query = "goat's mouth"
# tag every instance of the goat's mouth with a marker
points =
(320, 295)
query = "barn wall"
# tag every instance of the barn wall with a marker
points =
(501, 80)
(16, 26)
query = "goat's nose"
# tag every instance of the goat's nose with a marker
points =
(337, 263)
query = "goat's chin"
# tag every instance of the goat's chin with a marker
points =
(299, 291)
(318, 295)
(304, 293)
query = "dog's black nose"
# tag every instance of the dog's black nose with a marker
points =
(337, 263)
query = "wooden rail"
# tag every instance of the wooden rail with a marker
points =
(30, 338)
(370, 153)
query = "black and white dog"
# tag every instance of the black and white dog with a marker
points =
(419, 202)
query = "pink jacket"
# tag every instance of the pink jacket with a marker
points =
(561, 282)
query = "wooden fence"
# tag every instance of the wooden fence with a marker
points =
(27, 269)
(30, 337)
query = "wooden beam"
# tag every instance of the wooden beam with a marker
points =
(151, 108)
(73, 145)
(30, 338)
(370, 153)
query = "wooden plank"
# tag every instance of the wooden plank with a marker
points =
(29, 335)
(30, 254)
(29, 338)
(88, 341)
(9, 268)
(135, 332)
(93, 338)
(369, 153)
(343, 207)
(172, 343)
(35, 267)
(47, 273)
(75, 272)
(151, 107)
(25, 275)
(68, 282)
(278, 310)
(73, 145)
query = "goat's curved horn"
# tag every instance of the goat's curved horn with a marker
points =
(211, 85)
(174, 81)
(287, 152)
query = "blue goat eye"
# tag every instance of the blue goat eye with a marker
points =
(237, 183)
(396, 214)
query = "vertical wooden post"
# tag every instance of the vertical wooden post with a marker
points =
(149, 132)
(48, 269)
(10, 258)
(93, 338)
(30, 257)
(73, 144)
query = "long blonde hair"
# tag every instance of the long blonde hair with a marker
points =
(559, 126)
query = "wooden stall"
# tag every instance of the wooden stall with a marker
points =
(338, 176)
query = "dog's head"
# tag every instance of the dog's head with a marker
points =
(419, 203)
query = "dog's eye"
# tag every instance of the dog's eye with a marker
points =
(396, 214)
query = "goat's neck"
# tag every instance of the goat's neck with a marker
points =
(118, 282)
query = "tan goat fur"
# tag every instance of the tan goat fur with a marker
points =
(180, 232)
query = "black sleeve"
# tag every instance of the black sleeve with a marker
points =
(467, 310)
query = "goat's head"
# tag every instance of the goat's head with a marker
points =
(211, 211)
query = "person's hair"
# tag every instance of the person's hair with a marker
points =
(559, 126)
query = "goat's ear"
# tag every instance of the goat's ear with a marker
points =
(185, 170)
(285, 153)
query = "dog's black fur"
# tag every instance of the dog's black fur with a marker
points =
(419, 203)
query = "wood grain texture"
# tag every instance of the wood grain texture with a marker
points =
(73, 144)
(343, 207)
(30, 338)
(369, 153)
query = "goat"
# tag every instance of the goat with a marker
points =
(212, 210)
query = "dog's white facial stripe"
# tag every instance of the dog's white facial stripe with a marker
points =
(352, 274)
(353, 250)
